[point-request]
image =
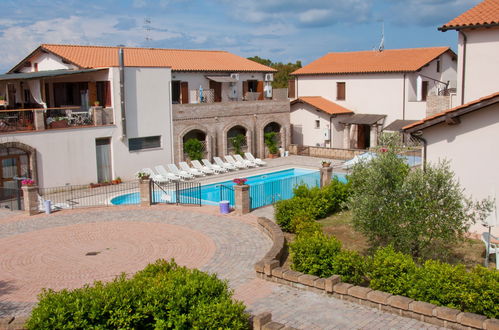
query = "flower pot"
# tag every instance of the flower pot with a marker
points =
(326, 164)
(59, 124)
(273, 155)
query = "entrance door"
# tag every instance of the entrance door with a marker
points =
(217, 87)
(363, 136)
(104, 167)
(11, 167)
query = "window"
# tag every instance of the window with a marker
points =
(438, 65)
(175, 91)
(144, 143)
(317, 124)
(104, 93)
(340, 91)
(424, 90)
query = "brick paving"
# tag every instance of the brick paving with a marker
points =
(50, 251)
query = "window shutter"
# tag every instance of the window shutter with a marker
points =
(291, 88)
(340, 91)
(259, 89)
(184, 90)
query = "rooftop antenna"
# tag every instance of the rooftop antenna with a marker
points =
(381, 46)
(147, 26)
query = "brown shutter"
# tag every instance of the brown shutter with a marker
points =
(340, 91)
(184, 90)
(245, 88)
(92, 92)
(107, 94)
(424, 90)
(217, 90)
(291, 88)
(259, 89)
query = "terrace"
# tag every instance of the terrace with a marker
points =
(34, 101)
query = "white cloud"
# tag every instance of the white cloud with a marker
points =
(313, 15)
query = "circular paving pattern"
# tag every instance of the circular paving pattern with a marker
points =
(71, 256)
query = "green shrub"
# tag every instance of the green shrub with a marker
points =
(314, 254)
(285, 210)
(194, 149)
(392, 271)
(351, 266)
(162, 296)
(237, 143)
(269, 139)
(303, 224)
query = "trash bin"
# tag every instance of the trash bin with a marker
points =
(48, 206)
(224, 207)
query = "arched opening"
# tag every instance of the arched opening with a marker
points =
(237, 140)
(272, 138)
(194, 144)
(15, 166)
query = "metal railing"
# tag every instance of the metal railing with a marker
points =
(16, 120)
(227, 194)
(67, 117)
(11, 198)
(81, 196)
(185, 193)
(266, 193)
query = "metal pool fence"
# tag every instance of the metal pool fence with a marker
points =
(227, 194)
(185, 193)
(79, 196)
(267, 193)
(11, 199)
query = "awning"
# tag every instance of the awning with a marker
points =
(222, 79)
(362, 119)
(397, 125)
(43, 74)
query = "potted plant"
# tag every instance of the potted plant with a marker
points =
(237, 143)
(240, 181)
(270, 142)
(28, 182)
(96, 103)
(143, 176)
(194, 149)
(59, 122)
(326, 163)
(117, 180)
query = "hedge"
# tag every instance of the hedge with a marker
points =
(162, 296)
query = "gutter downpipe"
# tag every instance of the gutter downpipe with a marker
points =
(331, 131)
(170, 106)
(465, 41)
(121, 58)
(403, 100)
(418, 136)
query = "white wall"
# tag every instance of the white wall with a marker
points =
(47, 61)
(482, 63)
(471, 147)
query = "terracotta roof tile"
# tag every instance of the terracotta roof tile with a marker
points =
(393, 60)
(455, 109)
(177, 59)
(323, 104)
(485, 13)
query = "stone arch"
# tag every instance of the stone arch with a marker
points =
(249, 136)
(261, 132)
(30, 152)
(187, 130)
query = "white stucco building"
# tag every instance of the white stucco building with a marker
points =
(467, 135)
(52, 129)
(378, 88)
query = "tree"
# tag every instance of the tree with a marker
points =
(418, 212)
(282, 76)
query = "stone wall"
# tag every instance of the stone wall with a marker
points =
(269, 268)
(325, 152)
(216, 119)
(437, 103)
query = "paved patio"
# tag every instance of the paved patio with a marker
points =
(74, 247)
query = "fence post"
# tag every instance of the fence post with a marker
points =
(30, 194)
(326, 175)
(39, 119)
(241, 194)
(145, 192)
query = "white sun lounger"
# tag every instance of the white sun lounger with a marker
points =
(251, 158)
(188, 169)
(221, 163)
(183, 174)
(232, 161)
(214, 167)
(164, 173)
(205, 169)
(53, 207)
(156, 177)
(244, 161)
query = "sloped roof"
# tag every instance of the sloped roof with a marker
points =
(392, 60)
(323, 104)
(485, 13)
(454, 112)
(177, 59)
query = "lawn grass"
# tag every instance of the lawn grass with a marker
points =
(470, 253)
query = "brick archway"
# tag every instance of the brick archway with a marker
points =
(249, 137)
(180, 141)
(31, 153)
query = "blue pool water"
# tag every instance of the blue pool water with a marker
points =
(264, 189)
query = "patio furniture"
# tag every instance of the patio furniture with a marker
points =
(252, 158)
(183, 174)
(53, 206)
(205, 169)
(245, 161)
(156, 177)
(214, 167)
(223, 164)
(188, 169)
(162, 170)
(232, 161)
(491, 248)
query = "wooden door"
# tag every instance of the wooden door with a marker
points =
(184, 90)
(217, 88)
(259, 89)
(291, 88)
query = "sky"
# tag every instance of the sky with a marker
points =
(280, 30)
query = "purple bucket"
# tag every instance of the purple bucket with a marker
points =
(224, 207)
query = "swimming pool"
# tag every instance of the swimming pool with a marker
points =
(264, 189)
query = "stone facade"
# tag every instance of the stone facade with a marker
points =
(437, 103)
(216, 119)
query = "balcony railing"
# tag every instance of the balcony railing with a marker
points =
(16, 120)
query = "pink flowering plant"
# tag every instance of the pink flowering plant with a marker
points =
(28, 182)
(240, 181)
